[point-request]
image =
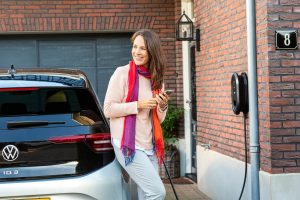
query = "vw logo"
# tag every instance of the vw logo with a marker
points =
(10, 152)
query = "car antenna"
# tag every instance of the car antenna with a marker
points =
(12, 71)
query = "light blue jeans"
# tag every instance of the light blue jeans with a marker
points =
(144, 171)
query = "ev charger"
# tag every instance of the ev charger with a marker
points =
(239, 93)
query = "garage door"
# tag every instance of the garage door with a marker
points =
(96, 55)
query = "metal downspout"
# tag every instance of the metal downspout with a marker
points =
(253, 108)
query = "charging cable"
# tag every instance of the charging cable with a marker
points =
(170, 181)
(246, 157)
(240, 103)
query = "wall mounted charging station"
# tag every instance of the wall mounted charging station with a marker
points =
(239, 93)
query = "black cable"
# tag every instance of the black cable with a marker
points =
(246, 159)
(170, 181)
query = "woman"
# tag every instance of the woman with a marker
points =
(136, 105)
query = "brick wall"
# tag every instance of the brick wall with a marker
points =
(179, 72)
(179, 75)
(284, 89)
(223, 51)
(94, 16)
(86, 15)
(263, 86)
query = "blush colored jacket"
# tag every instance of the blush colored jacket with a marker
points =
(115, 108)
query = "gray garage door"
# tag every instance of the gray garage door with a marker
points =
(96, 55)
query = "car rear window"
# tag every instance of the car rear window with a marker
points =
(42, 100)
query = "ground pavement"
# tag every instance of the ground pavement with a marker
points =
(185, 188)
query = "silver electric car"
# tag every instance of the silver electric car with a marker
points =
(54, 139)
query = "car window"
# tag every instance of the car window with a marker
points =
(37, 101)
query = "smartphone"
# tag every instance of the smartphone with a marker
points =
(169, 92)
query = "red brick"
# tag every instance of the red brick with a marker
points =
(292, 155)
(290, 63)
(283, 163)
(278, 71)
(276, 170)
(291, 109)
(295, 78)
(277, 155)
(283, 132)
(291, 169)
(276, 125)
(289, 2)
(282, 86)
(282, 117)
(291, 93)
(291, 124)
(283, 147)
(282, 101)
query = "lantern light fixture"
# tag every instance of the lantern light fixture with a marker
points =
(185, 30)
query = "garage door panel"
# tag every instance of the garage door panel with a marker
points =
(71, 53)
(113, 52)
(96, 55)
(20, 53)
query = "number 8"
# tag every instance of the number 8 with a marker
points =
(287, 40)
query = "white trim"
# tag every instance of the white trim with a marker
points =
(188, 7)
(279, 186)
(182, 156)
(220, 176)
(186, 67)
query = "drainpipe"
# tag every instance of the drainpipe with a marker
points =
(253, 111)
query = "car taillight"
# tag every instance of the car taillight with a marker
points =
(18, 89)
(68, 139)
(100, 142)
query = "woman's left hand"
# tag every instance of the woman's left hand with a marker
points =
(162, 100)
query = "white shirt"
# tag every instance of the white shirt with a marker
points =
(148, 152)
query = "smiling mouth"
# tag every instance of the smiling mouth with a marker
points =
(139, 59)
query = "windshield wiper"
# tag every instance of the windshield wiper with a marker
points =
(21, 124)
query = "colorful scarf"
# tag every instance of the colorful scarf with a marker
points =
(128, 138)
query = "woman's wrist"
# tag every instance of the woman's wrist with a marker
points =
(163, 108)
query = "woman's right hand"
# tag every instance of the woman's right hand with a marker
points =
(147, 104)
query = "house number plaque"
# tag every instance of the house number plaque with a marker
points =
(286, 39)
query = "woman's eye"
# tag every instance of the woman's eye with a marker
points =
(140, 48)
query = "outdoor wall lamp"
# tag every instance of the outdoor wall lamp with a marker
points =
(185, 30)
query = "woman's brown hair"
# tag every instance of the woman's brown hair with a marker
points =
(157, 61)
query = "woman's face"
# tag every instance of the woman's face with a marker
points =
(139, 52)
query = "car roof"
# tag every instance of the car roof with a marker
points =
(41, 77)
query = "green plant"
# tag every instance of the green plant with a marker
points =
(169, 126)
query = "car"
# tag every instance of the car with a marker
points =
(54, 139)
